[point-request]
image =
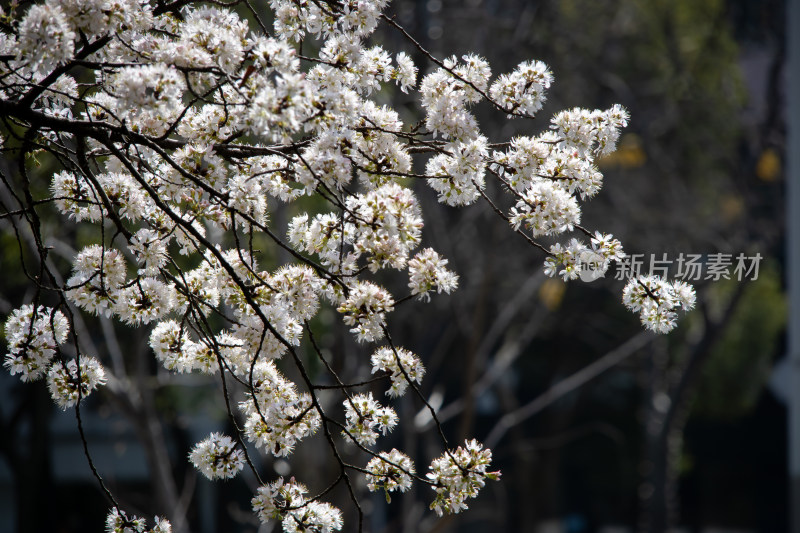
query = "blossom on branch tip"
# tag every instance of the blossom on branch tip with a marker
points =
(402, 365)
(523, 90)
(277, 416)
(97, 277)
(365, 309)
(459, 475)
(46, 38)
(427, 271)
(153, 89)
(117, 521)
(32, 338)
(173, 347)
(217, 457)
(286, 501)
(458, 175)
(63, 380)
(365, 417)
(406, 72)
(656, 300)
(545, 209)
(390, 471)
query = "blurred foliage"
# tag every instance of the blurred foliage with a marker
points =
(739, 366)
(674, 65)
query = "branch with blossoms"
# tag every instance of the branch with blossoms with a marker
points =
(177, 130)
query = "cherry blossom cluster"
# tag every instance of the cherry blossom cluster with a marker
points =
(458, 475)
(522, 91)
(118, 521)
(390, 471)
(365, 309)
(657, 300)
(427, 271)
(383, 225)
(589, 262)
(277, 416)
(402, 365)
(217, 457)
(287, 501)
(365, 417)
(33, 337)
(75, 380)
(177, 352)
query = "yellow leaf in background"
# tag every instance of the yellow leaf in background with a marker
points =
(629, 153)
(731, 207)
(551, 293)
(768, 167)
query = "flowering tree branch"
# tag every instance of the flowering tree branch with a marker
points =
(176, 130)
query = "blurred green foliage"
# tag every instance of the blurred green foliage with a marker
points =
(737, 369)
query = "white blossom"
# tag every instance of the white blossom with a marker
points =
(173, 347)
(272, 499)
(100, 17)
(458, 175)
(277, 416)
(97, 279)
(62, 381)
(365, 309)
(390, 471)
(427, 272)
(150, 251)
(406, 72)
(155, 89)
(458, 475)
(387, 225)
(117, 521)
(587, 131)
(545, 209)
(32, 338)
(656, 300)
(402, 365)
(365, 417)
(218, 36)
(523, 90)
(217, 457)
(286, 501)
(144, 300)
(313, 516)
(46, 38)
